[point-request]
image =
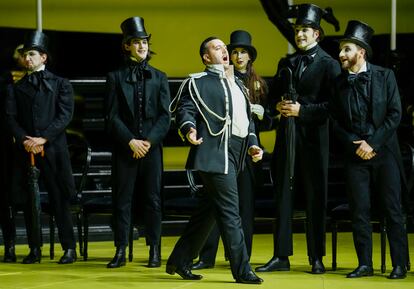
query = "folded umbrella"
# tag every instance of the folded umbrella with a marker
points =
(34, 193)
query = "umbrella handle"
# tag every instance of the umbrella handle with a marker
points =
(32, 158)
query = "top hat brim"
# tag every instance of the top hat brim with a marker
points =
(138, 34)
(252, 51)
(33, 47)
(356, 41)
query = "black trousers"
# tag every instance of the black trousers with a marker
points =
(8, 225)
(220, 205)
(60, 206)
(310, 185)
(246, 182)
(379, 176)
(137, 184)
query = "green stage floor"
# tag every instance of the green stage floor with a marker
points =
(94, 275)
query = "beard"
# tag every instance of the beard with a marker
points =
(350, 62)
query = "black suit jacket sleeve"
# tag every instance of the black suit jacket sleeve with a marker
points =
(318, 111)
(186, 114)
(162, 123)
(11, 117)
(116, 125)
(388, 125)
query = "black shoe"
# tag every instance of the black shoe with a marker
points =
(9, 254)
(183, 272)
(200, 264)
(361, 271)
(154, 257)
(68, 257)
(275, 264)
(250, 278)
(317, 266)
(398, 272)
(118, 260)
(34, 256)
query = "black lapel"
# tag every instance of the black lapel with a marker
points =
(377, 92)
(127, 89)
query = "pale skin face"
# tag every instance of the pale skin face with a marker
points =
(138, 48)
(240, 58)
(305, 36)
(33, 60)
(352, 58)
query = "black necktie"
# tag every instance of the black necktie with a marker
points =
(38, 79)
(359, 83)
(303, 59)
(136, 71)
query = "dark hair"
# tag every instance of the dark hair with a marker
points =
(203, 46)
(257, 86)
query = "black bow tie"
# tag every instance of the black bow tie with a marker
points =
(136, 71)
(362, 77)
(303, 59)
(38, 79)
(359, 82)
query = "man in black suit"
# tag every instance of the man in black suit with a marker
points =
(366, 111)
(313, 72)
(138, 121)
(213, 115)
(39, 108)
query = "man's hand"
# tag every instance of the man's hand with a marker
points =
(192, 137)
(139, 148)
(288, 108)
(256, 153)
(34, 144)
(364, 151)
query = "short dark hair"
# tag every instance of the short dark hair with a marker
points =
(203, 46)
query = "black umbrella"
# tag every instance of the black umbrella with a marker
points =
(33, 176)
(290, 127)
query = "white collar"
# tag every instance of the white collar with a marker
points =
(362, 69)
(217, 68)
(41, 68)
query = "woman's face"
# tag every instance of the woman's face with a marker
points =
(240, 58)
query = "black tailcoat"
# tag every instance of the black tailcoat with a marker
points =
(44, 112)
(143, 175)
(312, 152)
(383, 174)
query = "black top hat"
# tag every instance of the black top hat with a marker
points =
(36, 40)
(359, 33)
(241, 38)
(134, 28)
(309, 15)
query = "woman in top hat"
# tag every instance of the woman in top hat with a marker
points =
(312, 73)
(39, 108)
(366, 112)
(138, 121)
(242, 55)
